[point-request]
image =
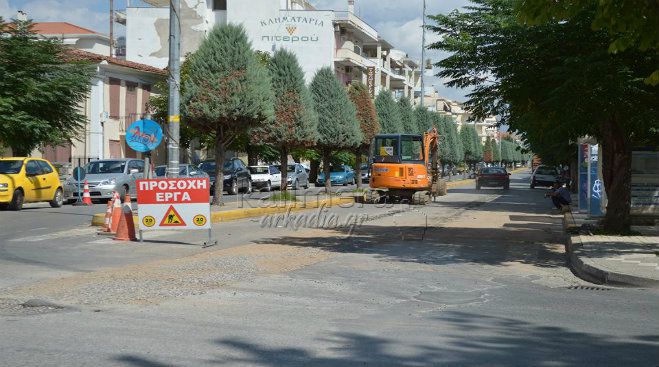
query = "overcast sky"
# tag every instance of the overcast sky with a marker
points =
(398, 21)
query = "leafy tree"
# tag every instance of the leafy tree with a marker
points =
(227, 91)
(295, 123)
(337, 123)
(496, 152)
(471, 142)
(488, 151)
(388, 113)
(40, 91)
(424, 119)
(407, 116)
(629, 23)
(562, 85)
(368, 122)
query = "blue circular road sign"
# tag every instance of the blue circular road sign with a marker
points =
(144, 135)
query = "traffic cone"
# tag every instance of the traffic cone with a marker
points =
(108, 216)
(86, 199)
(116, 213)
(126, 228)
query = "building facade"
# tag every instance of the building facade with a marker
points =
(337, 39)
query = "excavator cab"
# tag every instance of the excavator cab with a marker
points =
(404, 167)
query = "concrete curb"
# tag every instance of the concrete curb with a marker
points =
(229, 215)
(596, 275)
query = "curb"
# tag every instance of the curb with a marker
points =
(596, 275)
(236, 214)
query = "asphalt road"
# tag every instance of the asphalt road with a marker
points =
(475, 278)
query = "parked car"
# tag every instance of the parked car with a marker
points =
(28, 180)
(492, 177)
(339, 175)
(236, 175)
(107, 176)
(265, 177)
(544, 176)
(366, 172)
(297, 176)
(185, 171)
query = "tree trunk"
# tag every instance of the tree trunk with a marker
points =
(19, 151)
(313, 172)
(252, 155)
(220, 152)
(283, 167)
(326, 169)
(358, 166)
(616, 158)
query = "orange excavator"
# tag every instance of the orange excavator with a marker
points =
(405, 168)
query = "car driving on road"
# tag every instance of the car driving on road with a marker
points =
(492, 177)
(28, 180)
(544, 176)
(107, 176)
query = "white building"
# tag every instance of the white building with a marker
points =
(74, 36)
(338, 39)
(455, 110)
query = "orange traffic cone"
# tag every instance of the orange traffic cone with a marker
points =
(86, 199)
(126, 229)
(108, 217)
(116, 213)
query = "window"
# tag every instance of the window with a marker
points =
(105, 167)
(161, 171)
(386, 147)
(32, 168)
(138, 165)
(45, 167)
(274, 170)
(10, 167)
(411, 148)
(219, 4)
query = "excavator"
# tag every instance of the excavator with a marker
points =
(405, 168)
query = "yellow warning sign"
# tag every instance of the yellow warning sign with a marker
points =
(172, 218)
(149, 221)
(199, 220)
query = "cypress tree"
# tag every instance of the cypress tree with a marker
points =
(496, 152)
(388, 113)
(337, 122)
(407, 116)
(425, 119)
(487, 151)
(368, 123)
(227, 91)
(295, 124)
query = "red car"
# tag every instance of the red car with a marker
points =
(492, 177)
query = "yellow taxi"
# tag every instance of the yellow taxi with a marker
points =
(28, 180)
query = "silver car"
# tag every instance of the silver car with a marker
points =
(106, 176)
(297, 176)
(185, 171)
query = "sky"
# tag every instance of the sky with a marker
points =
(399, 22)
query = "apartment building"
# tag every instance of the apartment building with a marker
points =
(319, 38)
(434, 102)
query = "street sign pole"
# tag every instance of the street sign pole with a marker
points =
(174, 88)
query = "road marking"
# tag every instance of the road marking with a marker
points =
(86, 231)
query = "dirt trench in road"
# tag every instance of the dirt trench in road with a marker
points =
(154, 282)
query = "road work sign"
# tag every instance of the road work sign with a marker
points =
(173, 203)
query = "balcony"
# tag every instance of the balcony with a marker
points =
(354, 23)
(348, 56)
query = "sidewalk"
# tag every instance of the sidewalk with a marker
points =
(615, 260)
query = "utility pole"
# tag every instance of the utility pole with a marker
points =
(174, 82)
(423, 55)
(111, 26)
